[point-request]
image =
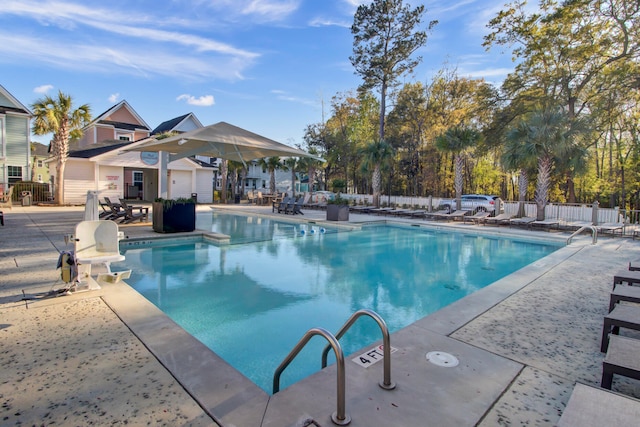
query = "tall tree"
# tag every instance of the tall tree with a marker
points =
(272, 164)
(457, 140)
(377, 156)
(546, 134)
(569, 52)
(57, 116)
(292, 164)
(385, 35)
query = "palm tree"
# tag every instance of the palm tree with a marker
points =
(271, 164)
(234, 169)
(546, 134)
(292, 164)
(377, 156)
(58, 117)
(224, 173)
(457, 140)
(310, 165)
(515, 158)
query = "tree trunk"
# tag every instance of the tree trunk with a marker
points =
(542, 185)
(458, 179)
(224, 171)
(376, 182)
(272, 181)
(59, 193)
(523, 184)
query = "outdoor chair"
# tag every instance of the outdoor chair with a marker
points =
(611, 228)
(593, 406)
(621, 359)
(130, 216)
(477, 217)
(116, 210)
(456, 215)
(282, 206)
(503, 218)
(622, 316)
(524, 221)
(6, 199)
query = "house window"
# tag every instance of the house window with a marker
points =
(39, 178)
(14, 174)
(124, 138)
(40, 163)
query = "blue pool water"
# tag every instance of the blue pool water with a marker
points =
(252, 302)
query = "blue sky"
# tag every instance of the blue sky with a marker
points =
(265, 65)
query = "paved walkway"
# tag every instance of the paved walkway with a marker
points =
(72, 361)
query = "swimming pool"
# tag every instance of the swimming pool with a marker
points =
(252, 302)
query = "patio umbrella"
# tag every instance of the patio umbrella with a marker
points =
(221, 140)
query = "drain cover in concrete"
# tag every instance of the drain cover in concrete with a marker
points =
(440, 358)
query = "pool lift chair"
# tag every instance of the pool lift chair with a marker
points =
(96, 242)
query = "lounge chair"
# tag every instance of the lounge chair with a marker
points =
(116, 210)
(95, 242)
(477, 217)
(436, 214)
(546, 223)
(503, 218)
(593, 406)
(524, 221)
(134, 213)
(624, 293)
(611, 228)
(622, 316)
(456, 215)
(399, 212)
(626, 276)
(6, 200)
(419, 213)
(621, 359)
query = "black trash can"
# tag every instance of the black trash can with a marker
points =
(194, 197)
(236, 200)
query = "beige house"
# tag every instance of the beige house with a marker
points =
(98, 162)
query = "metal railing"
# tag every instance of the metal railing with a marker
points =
(386, 383)
(339, 417)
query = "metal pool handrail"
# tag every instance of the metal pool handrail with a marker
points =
(386, 383)
(594, 233)
(339, 417)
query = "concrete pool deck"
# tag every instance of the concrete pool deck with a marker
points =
(105, 357)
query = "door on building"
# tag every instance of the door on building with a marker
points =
(138, 183)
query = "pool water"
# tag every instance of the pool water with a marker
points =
(252, 302)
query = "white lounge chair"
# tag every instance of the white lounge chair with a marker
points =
(96, 242)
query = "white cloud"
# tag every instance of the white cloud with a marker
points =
(114, 97)
(43, 89)
(271, 9)
(203, 101)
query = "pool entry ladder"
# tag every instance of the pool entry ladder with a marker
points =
(340, 417)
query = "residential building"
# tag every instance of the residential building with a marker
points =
(15, 140)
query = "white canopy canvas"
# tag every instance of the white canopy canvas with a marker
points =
(222, 140)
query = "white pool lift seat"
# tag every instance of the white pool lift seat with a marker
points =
(97, 242)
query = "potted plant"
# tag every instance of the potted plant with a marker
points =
(338, 209)
(174, 216)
